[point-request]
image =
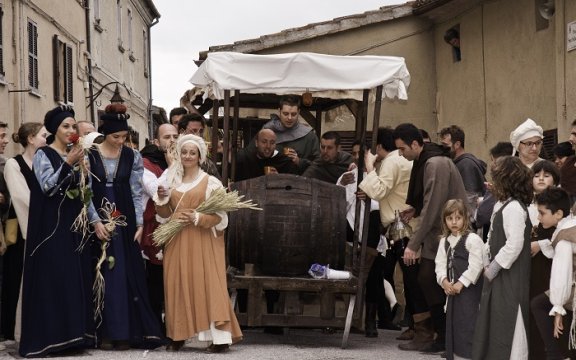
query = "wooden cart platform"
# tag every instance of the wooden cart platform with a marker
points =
(289, 288)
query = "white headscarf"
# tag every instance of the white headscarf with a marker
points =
(176, 170)
(524, 131)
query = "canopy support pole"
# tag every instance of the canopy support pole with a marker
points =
(226, 138)
(234, 147)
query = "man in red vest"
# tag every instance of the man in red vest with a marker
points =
(156, 160)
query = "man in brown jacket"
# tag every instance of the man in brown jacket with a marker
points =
(433, 181)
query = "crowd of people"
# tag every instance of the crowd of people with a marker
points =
(86, 204)
(482, 274)
(487, 271)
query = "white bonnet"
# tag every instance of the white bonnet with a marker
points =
(193, 139)
(524, 131)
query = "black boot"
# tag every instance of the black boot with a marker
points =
(370, 320)
(385, 316)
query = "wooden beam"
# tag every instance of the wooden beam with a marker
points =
(235, 133)
(307, 115)
(226, 141)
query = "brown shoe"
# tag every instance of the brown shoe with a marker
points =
(407, 334)
(415, 346)
(174, 346)
(220, 348)
(423, 334)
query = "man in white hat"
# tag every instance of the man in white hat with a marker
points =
(527, 140)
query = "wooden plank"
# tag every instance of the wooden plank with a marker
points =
(348, 324)
(292, 305)
(327, 305)
(254, 306)
(295, 284)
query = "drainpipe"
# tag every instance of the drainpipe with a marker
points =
(150, 117)
(89, 50)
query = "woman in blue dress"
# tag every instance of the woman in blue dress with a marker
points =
(127, 317)
(57, 281)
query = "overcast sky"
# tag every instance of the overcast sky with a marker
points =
(187, 27)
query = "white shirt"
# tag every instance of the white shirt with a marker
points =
(561, 276)
(149, 186)
(351, 201)
(514, 221)
(19, 193)
(474, 245)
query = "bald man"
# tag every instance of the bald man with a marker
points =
(84, 127)
(251, 163)
(156, 159)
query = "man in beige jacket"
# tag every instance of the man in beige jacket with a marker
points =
(388, 185)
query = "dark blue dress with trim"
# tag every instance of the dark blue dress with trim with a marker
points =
(57, 281)
(127, 314)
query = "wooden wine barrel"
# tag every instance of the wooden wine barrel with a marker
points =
(303, 222)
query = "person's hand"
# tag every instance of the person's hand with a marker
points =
(138, 234)
(162, 192)
(456, 288)
(189, 216)
(407, 214)
(74, 155)
(101, 232)
(369, 160)
(447, 286)
(534, 248)
(410, 257)
(272, 170)
(488, 186)
(347, 178)
(558, 326)
(2, 198)
(292, 154)
(361, 195)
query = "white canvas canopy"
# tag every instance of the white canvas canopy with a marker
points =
(323, 75)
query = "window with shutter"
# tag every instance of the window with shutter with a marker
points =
(32, 55)
(68, 89)
(63, 71)
(56, 68)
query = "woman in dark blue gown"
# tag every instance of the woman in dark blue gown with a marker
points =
(57, 280)
(127, 317)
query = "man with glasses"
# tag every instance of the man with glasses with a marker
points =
(527, 140)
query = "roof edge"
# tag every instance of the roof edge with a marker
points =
(310, 31)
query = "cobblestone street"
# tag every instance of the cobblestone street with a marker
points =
(298, 344)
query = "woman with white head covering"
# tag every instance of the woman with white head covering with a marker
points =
(527, 140)
(195, 288)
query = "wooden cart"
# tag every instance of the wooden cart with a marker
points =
(330, 81)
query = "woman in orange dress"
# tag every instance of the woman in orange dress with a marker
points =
(195, 289)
